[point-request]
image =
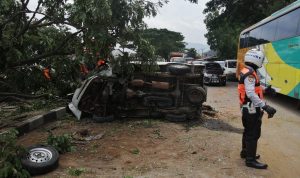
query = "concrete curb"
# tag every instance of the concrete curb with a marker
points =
(37, 121)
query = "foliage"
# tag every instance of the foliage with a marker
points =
(135, 151)
(60, 34)
(10, 153)
(61, 143)
(192, 53)
(226, 19)
(164, 41)
(76, 171)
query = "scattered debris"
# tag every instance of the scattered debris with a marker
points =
(85, 135)
(208, 110)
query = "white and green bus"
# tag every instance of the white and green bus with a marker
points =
(279, 37)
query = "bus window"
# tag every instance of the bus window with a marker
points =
(268, 31)
(255, 36)
(243, 41)
(287, 25)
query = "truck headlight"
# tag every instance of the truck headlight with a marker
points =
(207, 75)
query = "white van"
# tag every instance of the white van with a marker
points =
(222, 63)
(230, 68)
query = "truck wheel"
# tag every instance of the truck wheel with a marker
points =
(155, 115)
(40, 159)
(176, 117)
(224, 83)
(196, 95)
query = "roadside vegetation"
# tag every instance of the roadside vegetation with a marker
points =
(10, 152)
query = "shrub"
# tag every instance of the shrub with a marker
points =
(61, 143)
(10, 156)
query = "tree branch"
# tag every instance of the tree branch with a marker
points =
(55, 52)
(38, 58)
(68, 38)
(26, 27)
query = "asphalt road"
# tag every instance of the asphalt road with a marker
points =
(279, 144)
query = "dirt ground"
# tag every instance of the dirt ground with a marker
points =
(154, 148)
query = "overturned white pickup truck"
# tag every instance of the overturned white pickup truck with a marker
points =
(175, 92)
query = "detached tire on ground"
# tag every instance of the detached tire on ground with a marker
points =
(40, 159)
(177, 69)
(176, 117)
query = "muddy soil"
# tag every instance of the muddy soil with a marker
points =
(154, 148)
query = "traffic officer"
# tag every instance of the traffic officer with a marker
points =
(252, 106)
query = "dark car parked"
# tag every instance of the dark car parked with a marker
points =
(214, 74)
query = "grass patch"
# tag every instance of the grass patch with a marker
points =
(135, 151)
(75, 171)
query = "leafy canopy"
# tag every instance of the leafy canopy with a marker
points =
(164, 41)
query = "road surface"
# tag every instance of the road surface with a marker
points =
(154, 148)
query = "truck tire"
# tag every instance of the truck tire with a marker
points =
(40, 159)
(176, 117)
(196, 95)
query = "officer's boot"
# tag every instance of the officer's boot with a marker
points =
(250, 156)
(243, 153)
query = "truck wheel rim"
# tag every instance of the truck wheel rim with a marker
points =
(39, 155)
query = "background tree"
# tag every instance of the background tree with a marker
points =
(164, 41)
(192, 52)
(226, 19)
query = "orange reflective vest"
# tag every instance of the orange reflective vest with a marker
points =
(100, 62)
(46, 73)
(245, 72)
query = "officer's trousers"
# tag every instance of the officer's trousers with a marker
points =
(252, 130)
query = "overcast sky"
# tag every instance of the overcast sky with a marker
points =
(182, 16)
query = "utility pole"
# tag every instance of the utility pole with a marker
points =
(202, 52)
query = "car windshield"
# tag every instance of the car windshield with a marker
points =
(197, 62)
(213, 66)
(231, 64)
(178, 59)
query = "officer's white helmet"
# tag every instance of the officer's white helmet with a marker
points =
(255, 56)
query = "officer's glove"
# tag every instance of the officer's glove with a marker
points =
(270, 110)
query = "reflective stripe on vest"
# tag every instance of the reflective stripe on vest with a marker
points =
(245, 72)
